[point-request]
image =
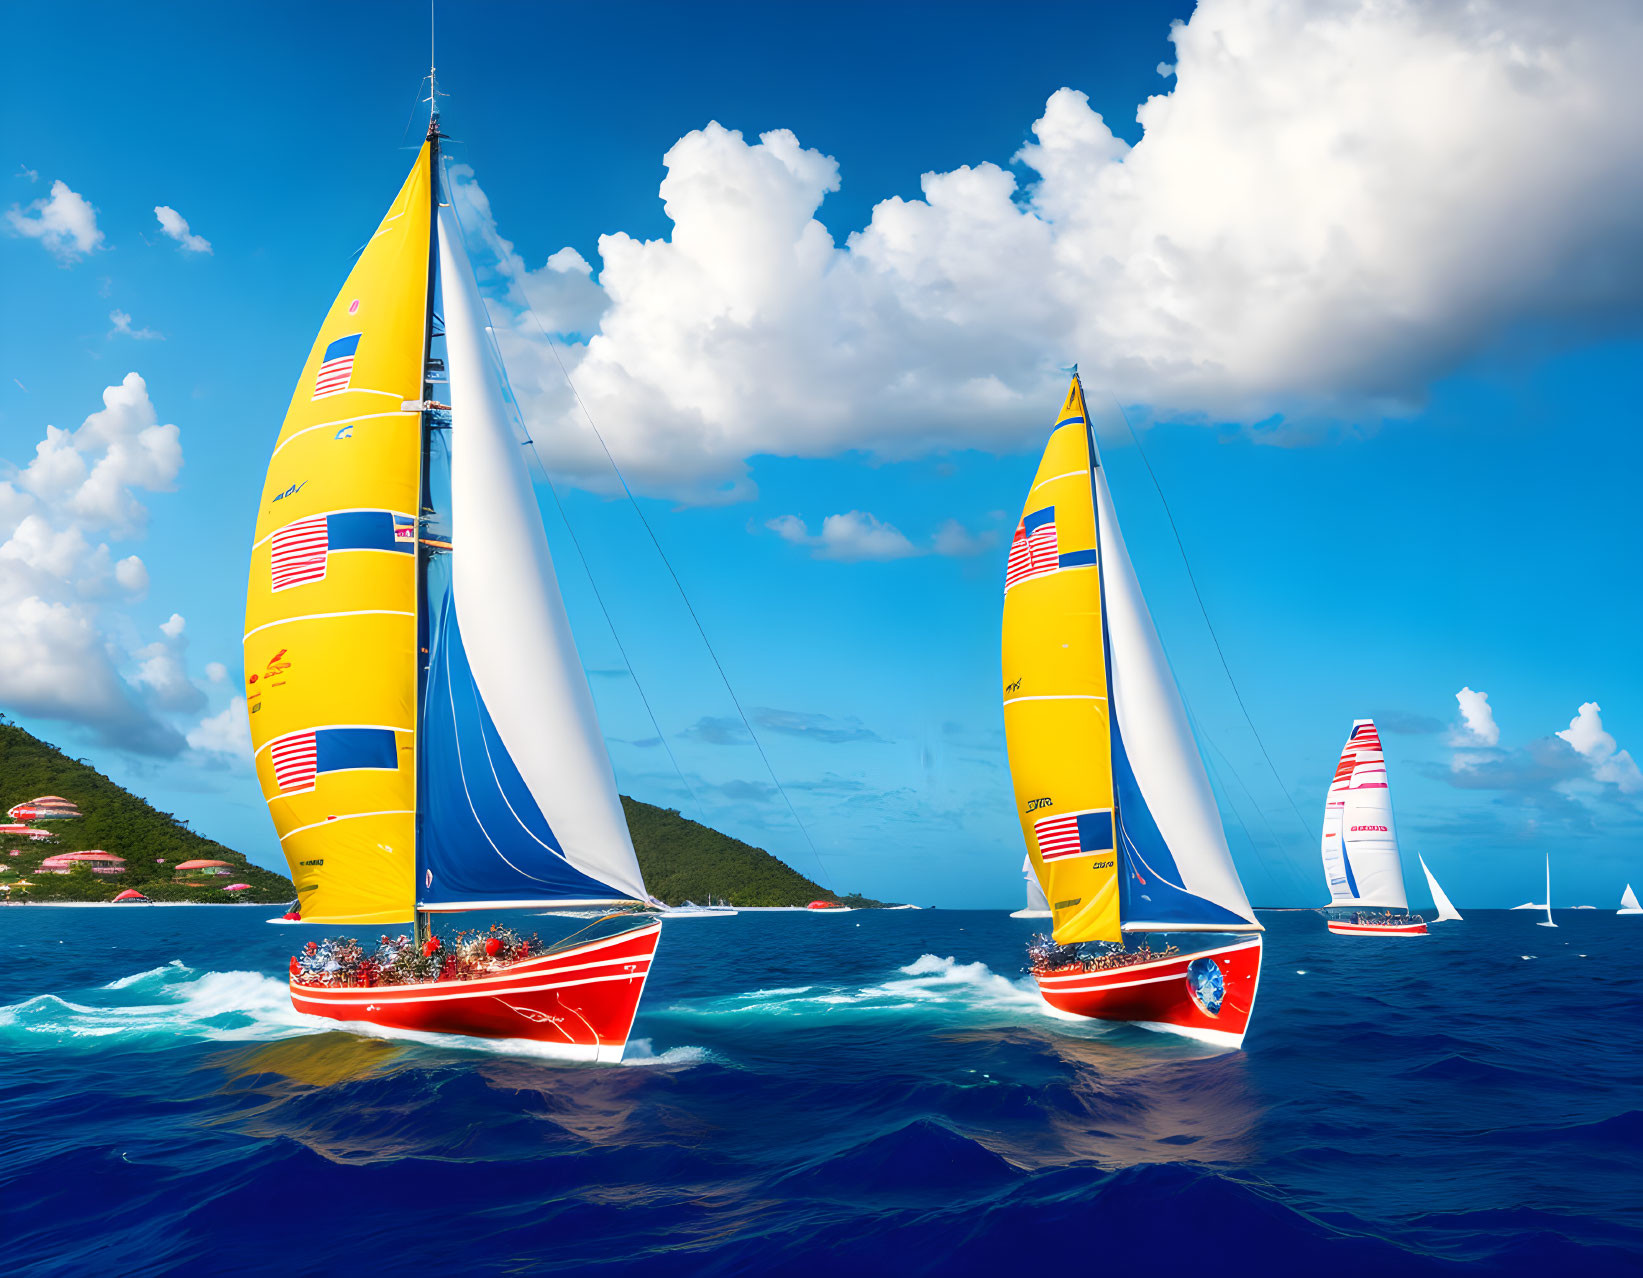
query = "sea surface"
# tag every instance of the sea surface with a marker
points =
(864, 1093)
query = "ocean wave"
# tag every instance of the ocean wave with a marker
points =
(238, 1006)
(932, 984)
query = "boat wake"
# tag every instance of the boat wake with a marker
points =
(932, 985)
(180, 1003)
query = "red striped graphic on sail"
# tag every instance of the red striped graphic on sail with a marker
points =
(1073, 834)
(337, 368)
(298, 552)
(1034, 549)
(1369, 763)
(296, 762)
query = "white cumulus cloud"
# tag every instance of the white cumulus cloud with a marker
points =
(1479, 726)
(1593, 743)
(175, 225)
(1332, 204)
(122, 328)
(857, 535)
(63, 658)
(64, 222)
(227, 732)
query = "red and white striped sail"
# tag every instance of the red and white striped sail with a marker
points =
(1368, 837)
(1337, 872)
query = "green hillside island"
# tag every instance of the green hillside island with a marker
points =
(681, 859)
(112, 820)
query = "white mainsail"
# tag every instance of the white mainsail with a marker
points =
(1549, 922)
(1038, 905)
(1628, 902)
(1446, 908)
(1157, 740)
(1368, 838)
(512, 619)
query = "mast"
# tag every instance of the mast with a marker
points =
(1113, 745)
(423, 926)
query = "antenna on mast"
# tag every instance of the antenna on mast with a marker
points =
(433, 85)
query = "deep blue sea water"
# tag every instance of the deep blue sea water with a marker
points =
(870, 1093)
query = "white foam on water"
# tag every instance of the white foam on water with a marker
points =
(931, 984)
(180, 1003)
(173, 968)
(640, 1052)
(216, 1006)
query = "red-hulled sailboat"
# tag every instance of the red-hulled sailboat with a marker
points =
(1123, 833)
(423, 729)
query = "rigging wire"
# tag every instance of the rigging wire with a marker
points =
(696, 802)
(1198, 595)
(678, 585)
(587, 568)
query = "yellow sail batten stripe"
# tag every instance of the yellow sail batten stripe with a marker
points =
(1057, 696)
(1071, 474)
(326, 616)
(346, 816)
(321, 727)
(341, 421)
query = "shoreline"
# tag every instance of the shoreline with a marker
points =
(125, 905)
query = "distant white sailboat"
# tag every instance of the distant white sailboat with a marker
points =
(1362, 865)
(1446, 908)
(1548, 922)
(1038, 905)
(1628, 902)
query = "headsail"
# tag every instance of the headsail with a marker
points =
(1178, 874)
(1369, 840)
(1628, 902)
(1343, 884)
(1446, 908)
(331, 607)
(1120, 823)
(520, 800)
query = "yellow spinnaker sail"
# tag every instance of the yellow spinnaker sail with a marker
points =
(1056, 691)
(331, 607)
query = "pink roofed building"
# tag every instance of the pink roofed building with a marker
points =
(96, 860)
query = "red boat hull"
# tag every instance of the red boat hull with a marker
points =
(1158, 994)
(1377, 929)
(581, 1000)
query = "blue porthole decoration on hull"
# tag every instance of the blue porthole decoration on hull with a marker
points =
(1207, 985)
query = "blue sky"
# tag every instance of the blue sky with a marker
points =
(1372, 304)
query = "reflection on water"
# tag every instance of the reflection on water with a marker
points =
(314, 1060)
(1121, 1101)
